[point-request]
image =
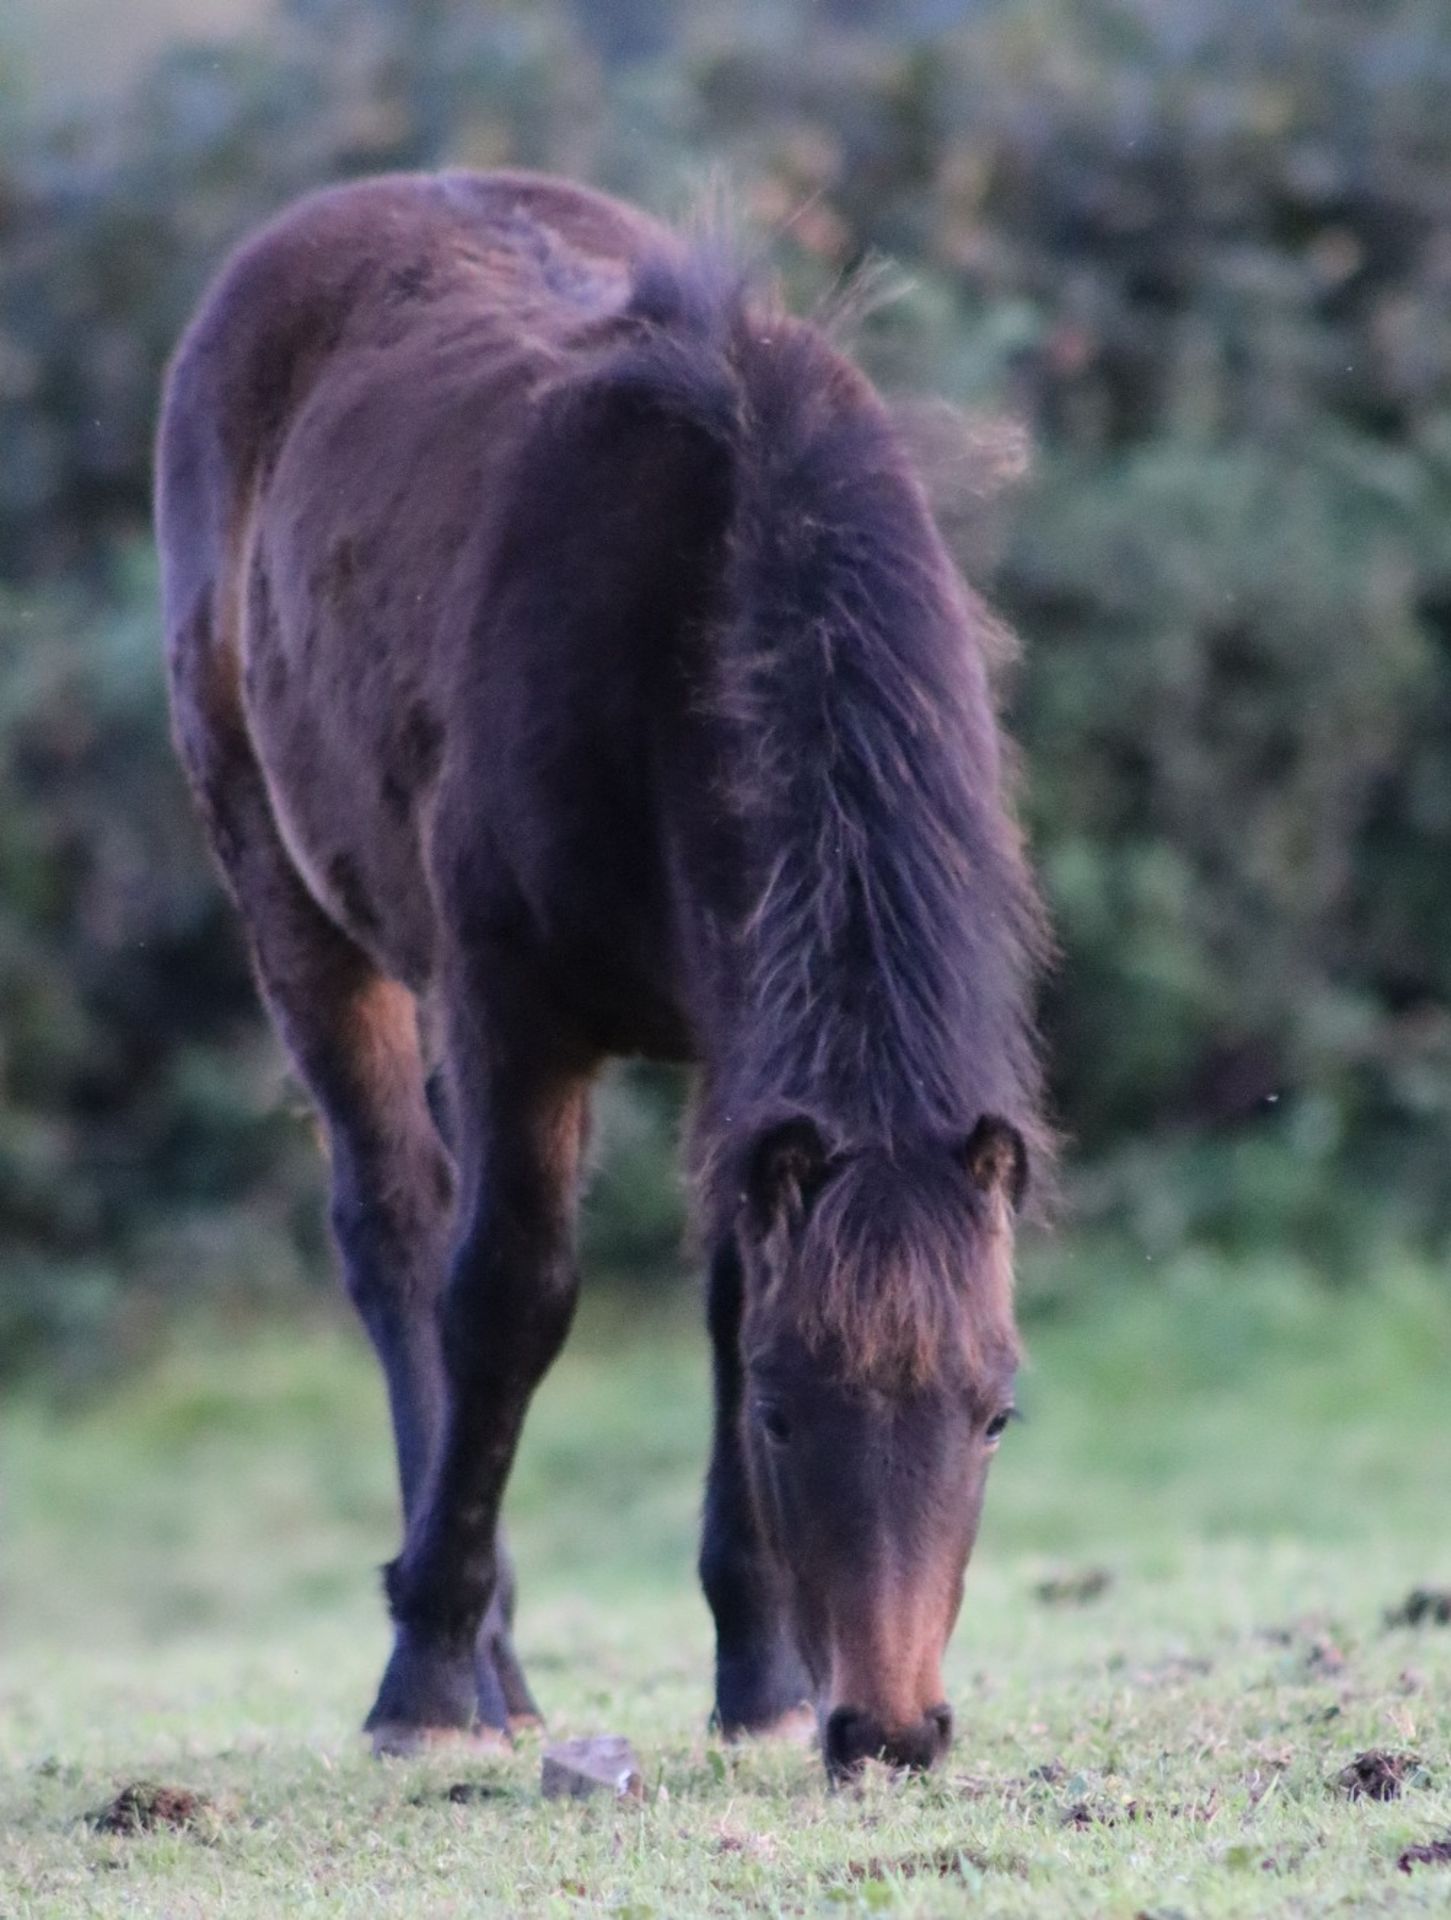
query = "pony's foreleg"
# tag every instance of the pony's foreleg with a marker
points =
(392, 1184)
(761, 1685)
(354, 1037)
(505, 1314)
(392, 1214)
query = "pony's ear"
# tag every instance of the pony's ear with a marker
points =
(786, 1167)
(996, 1159)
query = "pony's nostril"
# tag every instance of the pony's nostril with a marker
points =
(917, 1747)
(851, 1737)
(941, 1718)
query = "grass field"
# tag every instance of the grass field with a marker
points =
(1260, 1468)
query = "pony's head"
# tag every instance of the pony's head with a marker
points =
(879, 1352)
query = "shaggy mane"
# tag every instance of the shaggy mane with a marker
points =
(879, 966)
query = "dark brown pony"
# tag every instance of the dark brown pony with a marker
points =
(567, 664)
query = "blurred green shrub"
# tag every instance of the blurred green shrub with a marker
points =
(144, 1146)
(1202, 246)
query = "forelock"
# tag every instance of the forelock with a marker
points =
(902, 1276)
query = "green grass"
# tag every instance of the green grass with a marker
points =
(1261, 1466)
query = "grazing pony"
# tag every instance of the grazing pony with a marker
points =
(566, 664)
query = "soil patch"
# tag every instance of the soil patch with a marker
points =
(1422, 1607)
(145, 1806)
(1378, 1774)
(1436, 1854)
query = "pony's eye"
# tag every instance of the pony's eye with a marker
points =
(997, 1426)
(773, 1423)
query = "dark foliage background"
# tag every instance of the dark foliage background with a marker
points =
(1201, 247)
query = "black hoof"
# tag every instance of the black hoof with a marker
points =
(427, 1694)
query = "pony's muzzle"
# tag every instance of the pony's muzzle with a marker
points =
(852, 1737)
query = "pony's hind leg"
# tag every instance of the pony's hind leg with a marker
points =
(761, 1685)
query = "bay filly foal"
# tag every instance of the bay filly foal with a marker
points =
(566, 665)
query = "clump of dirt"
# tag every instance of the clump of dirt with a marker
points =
(1422, 1607)
(145, 1806)
(1436, 1854)
(1074, 1587)
(1377, 1774)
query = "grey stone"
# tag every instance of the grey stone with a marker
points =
(600, 1763)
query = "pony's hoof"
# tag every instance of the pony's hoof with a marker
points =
(399, 1739)
(525, 1723)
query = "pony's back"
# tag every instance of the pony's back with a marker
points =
(386, 532)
